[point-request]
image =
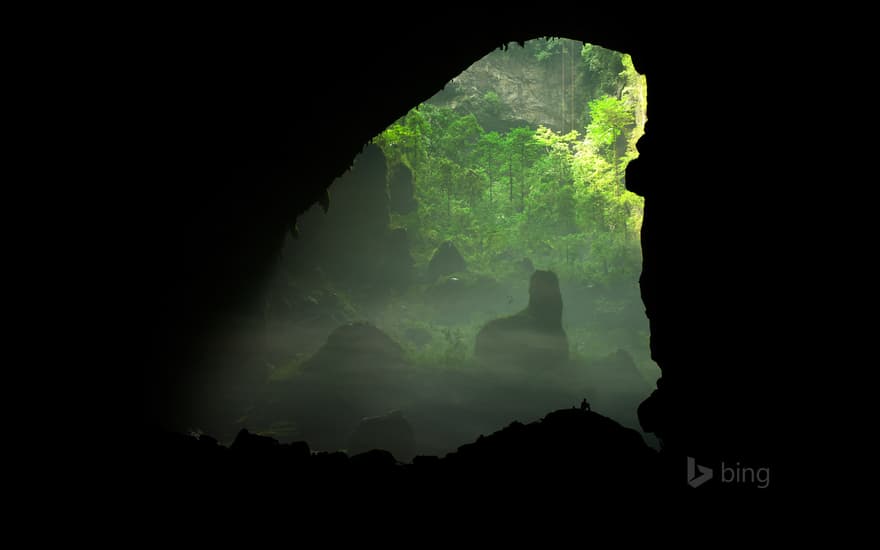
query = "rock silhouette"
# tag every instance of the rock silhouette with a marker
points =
(359, 372)
(445, 261)
(356, 347)
(532, 337)
(568, 450)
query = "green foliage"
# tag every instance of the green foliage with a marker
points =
(558, 199)
(493, 102)
(608, 118)
(603, 68)
(546, 48)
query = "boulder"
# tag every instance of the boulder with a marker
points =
(356, 346)
(534, 337)
(359, 370)
(446, 261)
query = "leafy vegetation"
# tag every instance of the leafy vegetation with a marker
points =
(556, 198)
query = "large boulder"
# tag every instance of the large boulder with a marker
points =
(356, 348)
(359, 371)
(534, 337)
(446, 261)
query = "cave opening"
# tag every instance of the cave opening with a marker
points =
(385, 287)
(238, 153)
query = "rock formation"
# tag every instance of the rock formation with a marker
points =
(445, 261)
(534, 337)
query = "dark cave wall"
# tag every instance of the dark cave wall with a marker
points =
(234, 154)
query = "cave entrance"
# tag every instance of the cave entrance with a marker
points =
(515, 168)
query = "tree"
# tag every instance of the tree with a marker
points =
(567, 206)
(490, 150)
(404, 141)
(602, 68)
(522, 146)
(608, 119)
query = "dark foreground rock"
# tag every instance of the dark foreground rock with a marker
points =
(568, 453)
(391, 432)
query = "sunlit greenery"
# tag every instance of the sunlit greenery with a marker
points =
(556, 198)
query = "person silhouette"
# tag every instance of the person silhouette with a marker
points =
(584, 405)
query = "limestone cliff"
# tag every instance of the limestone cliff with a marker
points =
(532, 86)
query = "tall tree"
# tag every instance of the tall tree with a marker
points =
(522, 146)
(608, 118)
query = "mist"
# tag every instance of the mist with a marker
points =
(478, 265)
